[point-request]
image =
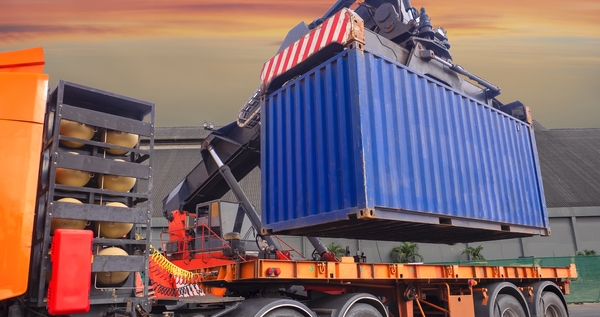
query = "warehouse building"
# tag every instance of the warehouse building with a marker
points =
(569, 160)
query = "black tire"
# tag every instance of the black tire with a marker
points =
(284, 312)
(508, 306)
(552, 306)
(363, 310)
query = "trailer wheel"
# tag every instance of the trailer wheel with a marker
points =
(504, 300)
(508, 306)
(553, 306)
(348, 305)
(284, 312)
(362, 309)
(269, 307)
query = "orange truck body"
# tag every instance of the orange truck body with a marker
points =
(23, 91)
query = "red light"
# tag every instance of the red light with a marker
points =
(277, 271)
(471, 283)
(270, 271)
(567, 281)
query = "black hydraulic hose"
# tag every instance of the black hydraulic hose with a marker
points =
(226, 310)
(318, 245)
(457, 68)
(123, 312)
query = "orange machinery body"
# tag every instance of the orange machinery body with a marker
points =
(179, 233)
(23, 90)
(188, 248)
(168, 285)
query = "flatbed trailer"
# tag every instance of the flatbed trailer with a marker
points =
(246, 281)
(389, 289)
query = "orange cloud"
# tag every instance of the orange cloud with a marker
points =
(92, 20)
(79, 19)
(516, 17)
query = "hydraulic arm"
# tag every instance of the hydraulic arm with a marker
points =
(228, 154)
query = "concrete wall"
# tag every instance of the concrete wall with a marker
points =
(572, 230)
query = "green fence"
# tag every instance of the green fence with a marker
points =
(585, 289)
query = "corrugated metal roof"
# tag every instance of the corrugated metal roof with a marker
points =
(170, 167)
(180, 133)
(251, 187)
(570, 163)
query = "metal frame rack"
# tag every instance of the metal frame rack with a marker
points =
(103, 111)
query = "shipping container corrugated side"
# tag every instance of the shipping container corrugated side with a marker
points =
(362, 147)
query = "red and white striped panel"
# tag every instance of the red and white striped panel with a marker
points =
(344, 27)
(185, 289)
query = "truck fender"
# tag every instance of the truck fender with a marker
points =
(535, 305)
(493, 290)
(339, 305)
(259, 307)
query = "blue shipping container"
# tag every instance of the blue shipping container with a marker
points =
(363, 147)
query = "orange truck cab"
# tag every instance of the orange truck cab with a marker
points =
(23, 91)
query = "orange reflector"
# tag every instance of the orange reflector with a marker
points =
(69, 290)
(273, 271)
(472, 283)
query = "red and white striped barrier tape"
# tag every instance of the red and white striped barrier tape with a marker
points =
(343, 28)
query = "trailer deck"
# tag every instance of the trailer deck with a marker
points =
(347, 272)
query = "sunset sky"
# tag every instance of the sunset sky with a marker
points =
(201, 60)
